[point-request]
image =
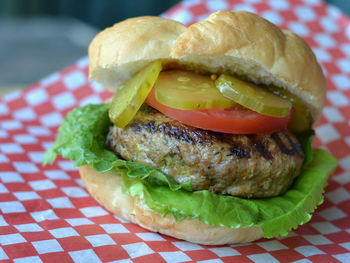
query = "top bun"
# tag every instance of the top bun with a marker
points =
(239, 43)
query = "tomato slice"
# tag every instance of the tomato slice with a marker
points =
(237, 120)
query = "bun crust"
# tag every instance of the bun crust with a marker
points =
(120, 51)
(105, 188)
(245, 44)
(235, 42)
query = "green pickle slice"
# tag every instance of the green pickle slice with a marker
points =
(301, 120)
(128, 100)
(253, 97)
(186, 90)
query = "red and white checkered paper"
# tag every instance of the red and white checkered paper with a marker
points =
(46, 214)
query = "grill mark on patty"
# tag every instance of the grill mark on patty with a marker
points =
(179, 132)
(238, 151)
(260, 147)
(236, 147)
(291, 148)
(295, 144)
(149, 126)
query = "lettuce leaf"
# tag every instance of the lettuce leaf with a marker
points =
(81, 138)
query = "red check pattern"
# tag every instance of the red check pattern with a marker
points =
(46, 214)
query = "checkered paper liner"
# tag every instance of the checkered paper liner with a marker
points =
(46, 215)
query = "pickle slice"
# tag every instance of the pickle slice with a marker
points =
(253, 97)
(301, 119)
(186, 90)
(128, 100)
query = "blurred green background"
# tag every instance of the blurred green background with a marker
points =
(99, 13)
(38, 37)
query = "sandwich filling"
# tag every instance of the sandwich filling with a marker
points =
(221, 134)
(251, 166)
(82, 138)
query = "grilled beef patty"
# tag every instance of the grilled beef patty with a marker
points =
(259, 165)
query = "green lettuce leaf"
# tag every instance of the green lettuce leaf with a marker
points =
(81, 138)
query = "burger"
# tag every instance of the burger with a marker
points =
(208, 135)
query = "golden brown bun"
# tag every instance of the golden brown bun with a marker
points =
(238, 42)
(120, 51)
(105, 188)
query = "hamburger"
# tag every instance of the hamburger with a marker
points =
(208, 135)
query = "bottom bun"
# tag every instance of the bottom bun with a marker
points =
(106, 189)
